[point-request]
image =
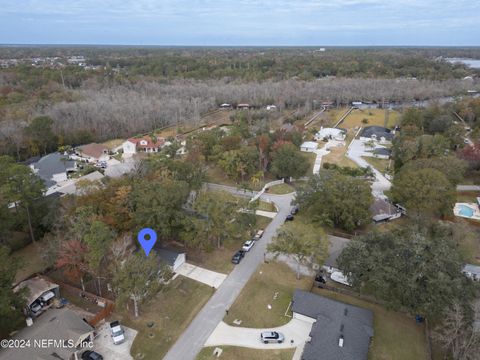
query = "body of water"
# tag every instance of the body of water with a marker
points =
(473, 63)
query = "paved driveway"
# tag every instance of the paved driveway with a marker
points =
(296, 330)
(197, 273)
(324, 151)
(103, 344)
(355, 152)
(193, 338)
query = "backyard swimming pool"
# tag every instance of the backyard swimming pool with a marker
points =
(465, 210)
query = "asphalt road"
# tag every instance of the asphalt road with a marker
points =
(190, 343)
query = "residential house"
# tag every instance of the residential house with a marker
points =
(472, 271)
(330, 134)
(64, 327)
(170, 257)
(309, 146)
(54, 168)
(93, 152)
(146, 143)
(383, 211)
(339, 330)
(382, 153)
(377, 133)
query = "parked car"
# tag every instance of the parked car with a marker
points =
(91, 355)
(271, 337)
(258, 235)
(289, 217)
(46, 297)
(238, 256)
(340, 278)
(36, 308)
(294, 210)
(118, 335)
(248, 245)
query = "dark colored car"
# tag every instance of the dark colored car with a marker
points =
(289, 217)
(91, 355)
(238, 257)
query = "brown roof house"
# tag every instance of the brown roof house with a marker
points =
(383, 211)
(93, 152)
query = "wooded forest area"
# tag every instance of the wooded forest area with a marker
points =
(137, 90)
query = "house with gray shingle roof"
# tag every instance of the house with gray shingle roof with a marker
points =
(53, 168)
(340, 331)
(376, 133)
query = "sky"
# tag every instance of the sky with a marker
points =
(241, 22)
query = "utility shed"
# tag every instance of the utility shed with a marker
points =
(171, 257)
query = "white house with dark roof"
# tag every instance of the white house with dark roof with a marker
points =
(330, 134)
(339, 332)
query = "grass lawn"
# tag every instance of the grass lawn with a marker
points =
(469, 246)
(381, 165)
(338, 156)
(311, 160)
(221, 259)
(266, 206)
(171, 311)
(259, 292)
(373, 116)
(240, 353)
(467, 197)
(31, 257)
(110, 144)
(396, 336)
(281, 189)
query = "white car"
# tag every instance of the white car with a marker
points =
(338, 277)
(118, 335)
(248, 245)
(258, 235)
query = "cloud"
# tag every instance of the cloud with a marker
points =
(147, 20)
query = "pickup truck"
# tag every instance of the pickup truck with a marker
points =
(118, 335)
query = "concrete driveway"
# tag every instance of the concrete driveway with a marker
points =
(325, 150)
(355, 152)
(296, 330)
(208, 277)
(103, 344)
(193, 338)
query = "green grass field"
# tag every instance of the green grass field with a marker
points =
(381, 165)
(371, 116)
(171, 311)
(259, 292)
(338, 156)
(240, 353)
(281, 189)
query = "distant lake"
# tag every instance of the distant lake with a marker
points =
(473, 63)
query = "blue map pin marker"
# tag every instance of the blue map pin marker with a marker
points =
(147, 238)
